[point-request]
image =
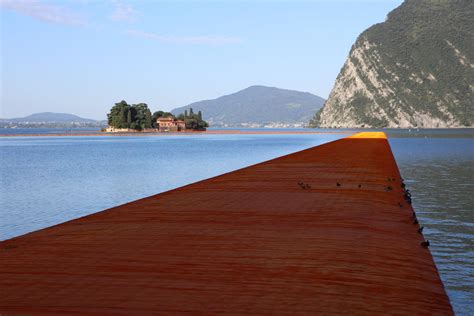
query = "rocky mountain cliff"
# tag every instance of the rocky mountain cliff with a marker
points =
(258, 106)
(416, 69)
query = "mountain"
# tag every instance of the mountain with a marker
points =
(413, 70)
(48, 119)
(258, 106)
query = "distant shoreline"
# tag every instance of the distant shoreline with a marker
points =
(208, 132)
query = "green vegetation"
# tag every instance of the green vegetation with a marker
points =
(139, 117)
(257, 105)
(192, 120)
(135, 116)
(423, 54)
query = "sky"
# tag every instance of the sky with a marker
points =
(82, 56)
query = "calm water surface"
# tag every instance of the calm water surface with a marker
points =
(48, 180)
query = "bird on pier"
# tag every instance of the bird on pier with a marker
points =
(420, 230)
(388, 188)
(360, 185)
(338, 184)
(425, 244)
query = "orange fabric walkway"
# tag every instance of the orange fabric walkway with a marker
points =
(252, 241)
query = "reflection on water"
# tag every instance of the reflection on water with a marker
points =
(48, 180)
(439, 171)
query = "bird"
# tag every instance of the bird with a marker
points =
(400, 204)
(388, 188)
(360, 186)
(420, 230)
(415, 221)
(425, 244)
(338, 184)
(413, 214)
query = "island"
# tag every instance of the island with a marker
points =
(124, 117)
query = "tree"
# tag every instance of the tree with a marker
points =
(148, 120)
(193, 121)
(143, 118)
(118, 115)
(129, 118)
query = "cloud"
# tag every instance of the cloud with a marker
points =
(43, 11)
(213, 40)
(123, 12)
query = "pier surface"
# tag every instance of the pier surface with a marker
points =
(293, 235)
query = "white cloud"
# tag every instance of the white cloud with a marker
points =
(215, 40)
(123, 12)
(43, 11)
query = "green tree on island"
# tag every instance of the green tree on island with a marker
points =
(118, 115)
(192, 120)
(136, 116)
(142, 116)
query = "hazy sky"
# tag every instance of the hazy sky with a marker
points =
(81, 56)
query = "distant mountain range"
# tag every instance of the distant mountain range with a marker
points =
(258, 106)
(416, 69)
(49, 119)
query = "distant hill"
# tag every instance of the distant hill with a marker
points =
(416, 69)
(49, 119)
(258, 106)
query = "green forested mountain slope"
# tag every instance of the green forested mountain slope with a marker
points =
(414, 69)
(258, 106)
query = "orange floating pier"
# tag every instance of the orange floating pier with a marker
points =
(320, 231)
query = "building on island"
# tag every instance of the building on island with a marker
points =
(169, 124)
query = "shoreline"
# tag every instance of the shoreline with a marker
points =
(236, 131)
(211, 132)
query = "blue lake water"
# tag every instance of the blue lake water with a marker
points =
(49, 180)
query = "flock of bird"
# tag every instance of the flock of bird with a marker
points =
(388, 188)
